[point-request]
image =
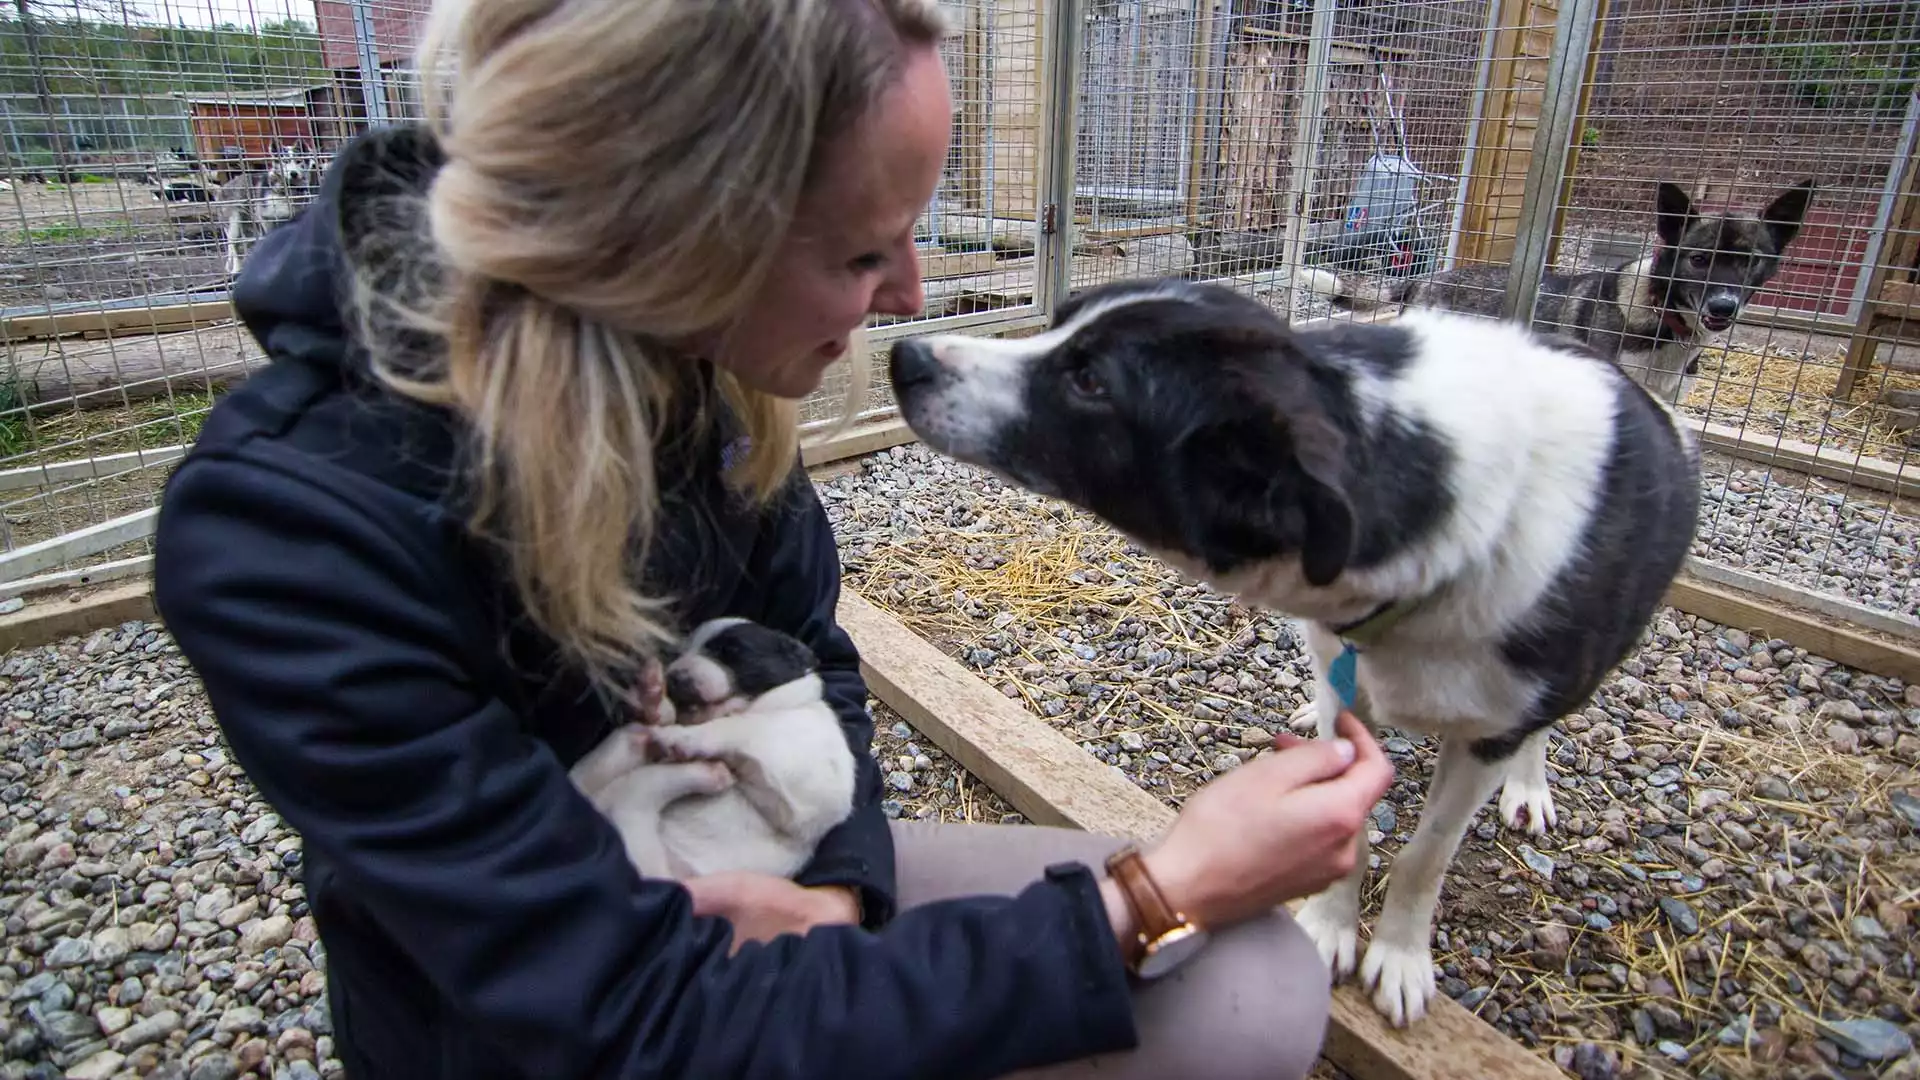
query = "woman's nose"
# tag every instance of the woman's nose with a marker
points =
(900, 293)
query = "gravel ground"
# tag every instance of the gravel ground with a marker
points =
(1729, 891)
(924, 784)
(1736, 852)
(1812, 534)
(155, 923)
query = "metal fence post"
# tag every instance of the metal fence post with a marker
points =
(372, 91)
(1303, 162)
(1547, 168)
(1059, 132)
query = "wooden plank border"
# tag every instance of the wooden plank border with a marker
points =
(97, 574)
(48, 554)
(50, 473)
(37, 625)
(1817, 632)
(1860, 470)
(867, 438)
(131, 320)
(1052, 781)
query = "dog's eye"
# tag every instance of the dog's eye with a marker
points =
(1086, 382)
(1700, 258)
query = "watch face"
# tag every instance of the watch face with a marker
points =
(1172, 950)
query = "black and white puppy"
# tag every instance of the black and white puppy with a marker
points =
(745, 767)
(1491, 516)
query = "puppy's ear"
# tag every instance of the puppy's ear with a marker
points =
(1785, 213)
(798, 654)
(1673, 210)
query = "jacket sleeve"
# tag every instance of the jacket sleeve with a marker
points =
(795, 578)
(330, 645)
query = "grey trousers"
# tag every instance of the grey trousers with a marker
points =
(1253, 1004)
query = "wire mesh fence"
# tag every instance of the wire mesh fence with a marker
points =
(1734, 104)
(1240, 141)
(131, 133)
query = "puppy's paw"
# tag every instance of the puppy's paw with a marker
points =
(713, 777)
(650, 702)
(1305, 719)
(1334, 927)
(1527, 804)
(618, 754)
(1401, 978)
(678, 743)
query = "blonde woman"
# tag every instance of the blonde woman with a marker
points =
(531, 412)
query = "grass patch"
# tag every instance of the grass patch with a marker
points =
(27, 441)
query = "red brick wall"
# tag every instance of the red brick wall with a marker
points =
(395, 24)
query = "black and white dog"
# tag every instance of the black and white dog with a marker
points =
(1488, 517)
(745, 767)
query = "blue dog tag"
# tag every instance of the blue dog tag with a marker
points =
(1341, 674)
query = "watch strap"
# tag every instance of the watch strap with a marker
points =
(1129, 871)
(1155, 917)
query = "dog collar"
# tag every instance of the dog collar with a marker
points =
(1675, 322)
(1362, 634)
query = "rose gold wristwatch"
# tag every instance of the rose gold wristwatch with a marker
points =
(1164, 938)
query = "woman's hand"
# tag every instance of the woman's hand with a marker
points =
(1281, 827)
(761, 907)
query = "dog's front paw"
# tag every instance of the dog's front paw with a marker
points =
(1527, 804)
(1305, 719)
(1401, 978)
(1334, 928)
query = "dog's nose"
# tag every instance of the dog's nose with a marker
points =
(1722, 307)
(910, 363)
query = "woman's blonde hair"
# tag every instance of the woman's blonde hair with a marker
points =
(617, 176)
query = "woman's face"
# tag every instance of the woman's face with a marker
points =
(850, 253)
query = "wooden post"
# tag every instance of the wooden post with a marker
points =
(1885, 310)
(1516, 85)
(1204, 120)
(1018, 93)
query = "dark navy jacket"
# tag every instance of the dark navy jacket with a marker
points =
(366, 664)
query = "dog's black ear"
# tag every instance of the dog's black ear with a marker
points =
(1306, 496)
(1328, 542)
(1784, 215)
(1243, 496)
(1673, 210)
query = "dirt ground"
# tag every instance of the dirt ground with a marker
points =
(104, 240)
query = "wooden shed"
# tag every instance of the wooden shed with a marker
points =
(255, 125)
